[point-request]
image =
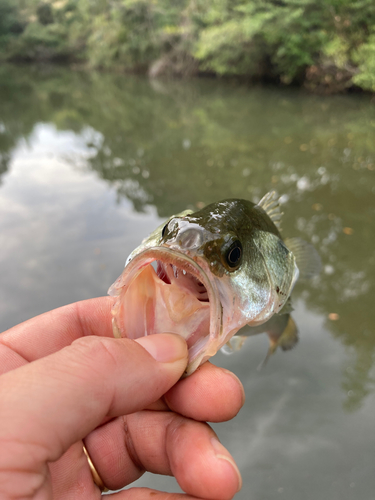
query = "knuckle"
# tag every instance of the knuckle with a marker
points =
(99, 351)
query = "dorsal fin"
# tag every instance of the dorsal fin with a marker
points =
(270, 204)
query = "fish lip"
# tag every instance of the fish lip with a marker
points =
(183, 261)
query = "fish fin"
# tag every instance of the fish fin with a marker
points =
(271, 350)
(287, 307)
(307, 258)
(270, 204)
(287, 340)
(289, 337)
(234, 344)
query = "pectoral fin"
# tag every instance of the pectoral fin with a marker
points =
(307, 258)
(286, 341)
(287, 307)
(234, 344)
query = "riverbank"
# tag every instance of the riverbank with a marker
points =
(326, 48)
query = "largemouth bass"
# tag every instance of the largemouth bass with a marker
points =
(206, 274)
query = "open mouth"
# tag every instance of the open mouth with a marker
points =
(163, 290)
(170, 273)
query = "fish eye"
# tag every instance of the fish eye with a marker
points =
(164, 230)
(233, 255)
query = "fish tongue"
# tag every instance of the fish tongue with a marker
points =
(179, 311)
(179, 304)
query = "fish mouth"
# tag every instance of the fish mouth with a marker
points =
(164, 290)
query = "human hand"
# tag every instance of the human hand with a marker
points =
(65, 379)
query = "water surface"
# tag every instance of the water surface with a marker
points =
(90, 163)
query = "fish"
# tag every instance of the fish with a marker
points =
(206, 274)
(281, 330)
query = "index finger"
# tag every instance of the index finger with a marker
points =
(53, 330)
(52, 403)
(197, 396)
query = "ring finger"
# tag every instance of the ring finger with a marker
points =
(163, 443)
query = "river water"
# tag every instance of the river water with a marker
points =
(90, 163)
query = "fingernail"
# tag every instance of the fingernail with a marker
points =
(222, 453)
(165, 347)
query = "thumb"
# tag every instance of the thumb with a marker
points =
(53, 402)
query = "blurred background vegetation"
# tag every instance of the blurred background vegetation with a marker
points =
(325, 45)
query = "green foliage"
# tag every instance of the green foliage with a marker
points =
(10, 25)
(337, 50)
(40, 42)
(286, 35)
(44, 13)
(221, 49)
(326, 44)
(124, 34)
(365, 57)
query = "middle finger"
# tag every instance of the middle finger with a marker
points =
(210, 394)
(163, 443)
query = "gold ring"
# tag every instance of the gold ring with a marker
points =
(95, 475)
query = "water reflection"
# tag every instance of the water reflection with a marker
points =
(175, 146)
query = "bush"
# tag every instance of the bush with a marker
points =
(365, 58)
(10, 25)
(44, 13)
(40, 42)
